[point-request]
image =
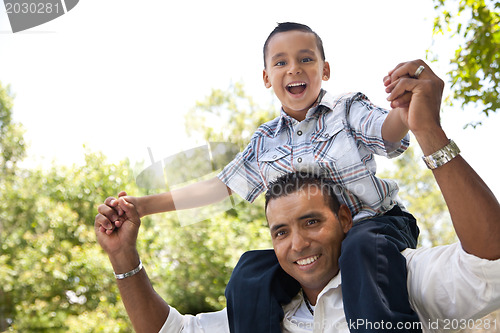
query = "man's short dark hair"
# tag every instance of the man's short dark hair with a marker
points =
(297, 181)
(290, 26)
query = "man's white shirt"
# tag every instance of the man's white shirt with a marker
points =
(448, 288)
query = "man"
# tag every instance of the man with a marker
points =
(436, 277)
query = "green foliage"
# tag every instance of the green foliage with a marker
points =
(422, 197)
(12, 146)
(193, 263)
(54, 276)
(228, 116)
(475, 24)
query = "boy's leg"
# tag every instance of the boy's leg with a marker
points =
(255, 292)
(373, 273)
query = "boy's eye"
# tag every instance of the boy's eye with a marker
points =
(280, 63)
(307, 60)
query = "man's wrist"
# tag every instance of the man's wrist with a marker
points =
(431, 140)
(124, 261)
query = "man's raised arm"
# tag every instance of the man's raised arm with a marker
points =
(146, 309)
(474, 210)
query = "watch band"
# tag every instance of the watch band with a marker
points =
(442, 156)
(130, 273)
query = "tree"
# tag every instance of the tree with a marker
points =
(474, 76)
(230, 116)
(54, 276)
(199, 257)
(11, 135)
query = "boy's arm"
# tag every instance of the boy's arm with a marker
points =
(195, 195)
(393, 128)
(191, 196)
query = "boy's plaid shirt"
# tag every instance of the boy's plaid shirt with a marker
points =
(337, 139)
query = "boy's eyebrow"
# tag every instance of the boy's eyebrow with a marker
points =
(281, 54)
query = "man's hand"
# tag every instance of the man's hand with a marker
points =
(113, 215)
(419, 98)
(124, 238)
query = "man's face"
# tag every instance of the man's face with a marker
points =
(307, 237)
(295, 70)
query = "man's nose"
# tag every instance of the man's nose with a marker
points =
(299, 242)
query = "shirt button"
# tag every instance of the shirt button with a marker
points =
(326, 135)
(299, 133)
(274, 156)
(299, 159)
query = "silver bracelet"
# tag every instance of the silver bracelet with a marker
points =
(129, 274)
(442, 156)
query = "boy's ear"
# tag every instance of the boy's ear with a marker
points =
(326, 71)
(265, 77)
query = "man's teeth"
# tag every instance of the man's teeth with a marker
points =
(307, 261)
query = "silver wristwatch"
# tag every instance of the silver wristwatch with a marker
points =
(442, 156)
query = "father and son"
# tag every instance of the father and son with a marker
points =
(344, 257)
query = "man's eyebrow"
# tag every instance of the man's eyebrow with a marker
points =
(310, 215)
(277, 227)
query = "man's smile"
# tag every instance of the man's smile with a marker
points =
(308, 260)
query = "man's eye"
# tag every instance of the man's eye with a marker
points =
(310, 222)
(280, 233)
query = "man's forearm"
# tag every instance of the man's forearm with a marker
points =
(146, 309)
(474, 210)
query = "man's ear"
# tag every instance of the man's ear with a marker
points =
(345, 218)
(267, 82)
(326, 71)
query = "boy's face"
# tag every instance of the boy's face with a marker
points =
(295, 70)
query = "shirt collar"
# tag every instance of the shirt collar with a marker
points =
(286, 121)
(291, 307)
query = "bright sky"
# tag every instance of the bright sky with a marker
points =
(120, 75)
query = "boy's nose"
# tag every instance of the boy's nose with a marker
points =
(294, 68)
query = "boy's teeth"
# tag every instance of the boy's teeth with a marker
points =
(296, 84)
(307, 261)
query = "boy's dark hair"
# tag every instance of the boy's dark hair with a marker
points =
(290, 26)
(300, 180)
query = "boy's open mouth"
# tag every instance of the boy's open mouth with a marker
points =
(296, 88)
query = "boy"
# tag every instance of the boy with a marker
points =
(332, 136)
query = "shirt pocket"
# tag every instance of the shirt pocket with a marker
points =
(275, 161)
(335, 144)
